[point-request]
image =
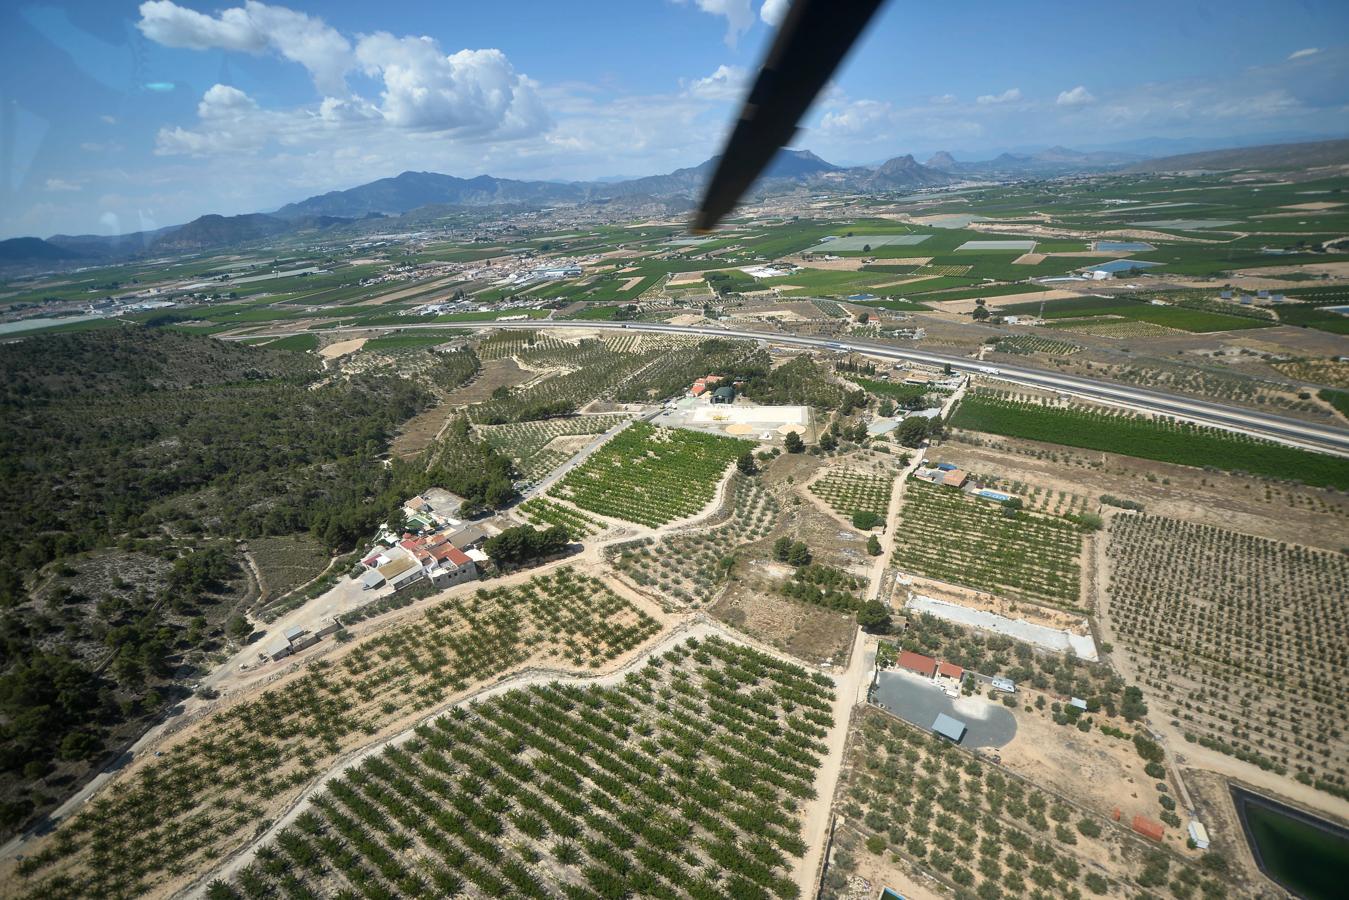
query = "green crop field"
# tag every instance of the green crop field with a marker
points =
(1179, 317)
(1164, 440)
(412, 339)
(849, 492)
(948, 535)
(901, 393)
(652, 475)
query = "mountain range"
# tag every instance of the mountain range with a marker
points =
(1046, 163)
(677, 191)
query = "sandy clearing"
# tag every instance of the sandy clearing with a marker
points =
(342, 348)
(1029, 259)
(1313, 206)
(897, 282)
(1334, 269)
(632, 283)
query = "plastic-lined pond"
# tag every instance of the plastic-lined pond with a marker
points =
(1306, 855)
(1123, 246)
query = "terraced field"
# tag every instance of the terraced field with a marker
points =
(528, 443)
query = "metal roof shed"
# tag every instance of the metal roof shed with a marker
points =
(948, 727)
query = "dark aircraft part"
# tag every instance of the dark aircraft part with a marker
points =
(814, 37)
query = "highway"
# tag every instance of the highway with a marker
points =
(1278, 428)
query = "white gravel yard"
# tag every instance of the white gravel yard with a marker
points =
(1056, 639)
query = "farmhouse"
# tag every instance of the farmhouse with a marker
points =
(947, 727)
(917, 662)
(950, 670)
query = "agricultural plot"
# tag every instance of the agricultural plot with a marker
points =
(920, 804)
(1033, 343)
(906, 395)
(208, 793)
(689, 566)
(542, 512)
(848, 492)
(684, 780)
(1243, 637)
(1115, 329)
(1162, 439)
(513, 343)
(651, 475)
(1113, 308)
(531, 444)
(865, 243)
(947, 535)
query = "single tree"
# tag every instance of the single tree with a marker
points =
(874, 617)
(873, 546)
(746, 464)
(793, 443)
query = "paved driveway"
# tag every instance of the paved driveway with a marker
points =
(916, 700)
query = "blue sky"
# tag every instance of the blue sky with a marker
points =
(121, 116)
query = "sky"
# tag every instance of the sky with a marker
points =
(118, 117)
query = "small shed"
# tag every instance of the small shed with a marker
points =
(278, 650)
(1079, 703)
(293, 633)
(371, 579)
(950, 670)
(917, 662)
(1199, 834)
(1148, 828)
(724, 394)
(948, 727)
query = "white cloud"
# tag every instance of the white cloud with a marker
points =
(61, 185)
(108, 120)
(1011, 95)
(726, 83)
(772, 11)
(858, 117)
(943, 99)
(472, 92)
(738, 14)
(253, 28)
(1078, 96)
(1309, 51)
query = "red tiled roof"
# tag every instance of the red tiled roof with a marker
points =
(950, 670)
(916, 662)
(699, 390)
(457, 556)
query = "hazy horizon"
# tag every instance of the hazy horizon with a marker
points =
(153, 114)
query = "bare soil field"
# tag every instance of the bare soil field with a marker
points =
(342, 348)
(810, 633)
(1095, 769)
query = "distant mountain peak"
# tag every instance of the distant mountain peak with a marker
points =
(941, 160)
